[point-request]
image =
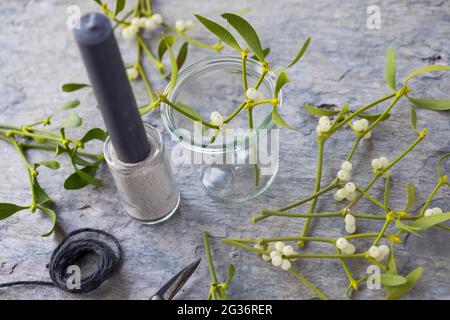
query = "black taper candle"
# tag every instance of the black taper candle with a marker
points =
(106, 72)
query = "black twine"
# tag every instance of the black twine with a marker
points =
(69, 252)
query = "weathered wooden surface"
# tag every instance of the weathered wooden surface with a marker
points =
(345, 63)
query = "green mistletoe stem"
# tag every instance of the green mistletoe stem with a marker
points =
(308, 284)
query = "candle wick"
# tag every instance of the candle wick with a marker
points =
(92, 23)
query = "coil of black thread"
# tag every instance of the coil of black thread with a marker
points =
(73, 249)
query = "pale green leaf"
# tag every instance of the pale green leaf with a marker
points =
(321, 112)
(299, 55)
(431, 104)
(52, 215)
(282, 79)
(231, 271)
(391, 264)
(279, 121)
(407, 228)
(410, 195)
(392, 280)
(427, 222)
(220, 32)
(120, 5)
(426, 69)
(247, 33)
(390, 71)
(51, 164)
(373, 117)
(70, 105)
(72, 121)
(8, 209)
(411, 280)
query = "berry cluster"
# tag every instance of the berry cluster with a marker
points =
(379, 253)
(380, 163)
(277, 251)
(347, 192)
(360, 126)
(324, 125)
(345, 246)
(350, 223)
(254, 94)
(346, 171)
(182, 25)
(144, 22)
(433, 211)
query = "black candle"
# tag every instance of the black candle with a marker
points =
(106, 72)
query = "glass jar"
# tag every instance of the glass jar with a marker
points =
(240, 163)
(147, 189)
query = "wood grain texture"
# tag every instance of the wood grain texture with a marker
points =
(345, 63)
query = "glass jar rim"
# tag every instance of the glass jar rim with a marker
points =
(198, 67)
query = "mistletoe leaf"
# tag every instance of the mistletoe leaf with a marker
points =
(76, 181)
(231, 271)
(51, 164)
(182, 54)
(427, 222)
(52, 215)
(8, 209)
(411, 280)
(94, 134)
(71, 87)
(120, 5)
(279, 121)
(266, 52)
(173, 69)
(426, 69)
(391, 264)
(373, 117)
(410, 195)
(247, 33)
(70, 105)
(72, 121)
(320, 112)
(282, 79)
(390, 72)
(299, 55)
(220, 32)
(41, 196)
(431, 104)
(165, 41)
(392, 280)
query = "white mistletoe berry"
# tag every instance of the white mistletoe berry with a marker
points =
(358, 126)
(277, 261)
(216, 117)
(428, 212)
(374, 252)
(258, 246)
(157, 18)
(274, 254)
(286, 264)
(384, 161)
(343, 175)
(189, 24)
(150, 24)
(324, 127)
(350, 228)
(346, 166)
(349, 219)
(136, 22)
(377, 164)
(341, 243)
(437, 210)
(129, 32)
(365, 123)
(351, 196)
(132, 73)
(350, 187)
(384, 250)
(279, 246)
(266, 257)
(324, 120)
(350, 249)
(288, 250)
(180, 25)
(252, 94)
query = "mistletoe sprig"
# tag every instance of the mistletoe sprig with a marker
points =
(36, 136)
(401, 220)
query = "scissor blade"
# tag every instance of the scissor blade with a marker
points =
(170, 289)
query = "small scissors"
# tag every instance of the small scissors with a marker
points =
(170, 289)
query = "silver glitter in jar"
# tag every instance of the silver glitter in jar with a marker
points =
(147, 189)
